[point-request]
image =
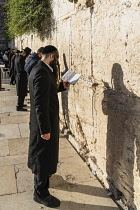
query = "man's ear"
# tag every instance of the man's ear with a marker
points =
(51, 56)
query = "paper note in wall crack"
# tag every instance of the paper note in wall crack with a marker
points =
(71, 77)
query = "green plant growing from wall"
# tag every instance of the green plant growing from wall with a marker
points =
(28, 16)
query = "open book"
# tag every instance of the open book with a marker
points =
(71, 77)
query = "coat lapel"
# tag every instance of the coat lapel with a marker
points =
(50, 72)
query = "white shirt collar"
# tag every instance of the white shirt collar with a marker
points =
(48, 66)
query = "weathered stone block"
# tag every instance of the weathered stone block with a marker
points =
(7, 180)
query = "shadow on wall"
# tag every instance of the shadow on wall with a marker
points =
(123, 136)
(64, 99)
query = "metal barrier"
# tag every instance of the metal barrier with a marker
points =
(0, 78)
(2, 66)
(5, 72)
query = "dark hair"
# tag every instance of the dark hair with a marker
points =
(49, 49)
(40, 50)
(27, 50)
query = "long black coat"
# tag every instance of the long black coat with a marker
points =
(44, 118)
(21, 76)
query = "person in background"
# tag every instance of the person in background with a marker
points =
(33, 60)
(21, 78)
(44, 123)
(1, 55)
(9, 55)
(12, 67)
(5, 59)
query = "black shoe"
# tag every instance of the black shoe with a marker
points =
(21, 109)
(12, 83)
(49, 201)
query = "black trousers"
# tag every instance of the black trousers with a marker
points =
(12, 77)
(41, 186)
(20, 101)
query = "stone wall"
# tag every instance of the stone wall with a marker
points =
(101, 113)
(3, 39)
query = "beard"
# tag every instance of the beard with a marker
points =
(56, 69)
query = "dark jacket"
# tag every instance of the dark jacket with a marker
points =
(44, 118)
(12, 67)
(21, 76)
(31, 62)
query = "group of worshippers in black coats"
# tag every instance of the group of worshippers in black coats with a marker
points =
(44, 84)
(21, 66)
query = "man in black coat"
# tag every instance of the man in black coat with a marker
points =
(12, 68)
(44, 124)
(21, 78)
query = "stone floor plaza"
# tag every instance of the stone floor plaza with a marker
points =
(74, 184)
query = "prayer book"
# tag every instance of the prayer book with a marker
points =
(71, 77)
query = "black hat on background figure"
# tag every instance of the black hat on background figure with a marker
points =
(27, 50)
(17, 51)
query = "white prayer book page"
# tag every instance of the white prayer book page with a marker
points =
(71, 77)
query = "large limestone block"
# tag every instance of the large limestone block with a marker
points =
(4, 149)
(8, 109)
(15, 119)
(62, 9)
(12, 160)
(24, 129)
(23, 201)
(18, 146)
(81, 43)
(7, 180)
(8, 94)
(75, 174)
(64, 31)
(63, 142)
(124, 49)
(67, 152)
(19, 113)
(8, 102)
(2, 115)
(25, 178)
(9, 131)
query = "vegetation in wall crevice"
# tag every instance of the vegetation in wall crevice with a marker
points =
(28, 16)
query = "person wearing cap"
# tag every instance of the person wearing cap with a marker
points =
(21, 78)
(44, 124)
(33, 60)
(12, 68)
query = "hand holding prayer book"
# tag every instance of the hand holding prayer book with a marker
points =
(71, 77)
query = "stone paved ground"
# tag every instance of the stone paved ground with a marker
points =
(73, 184)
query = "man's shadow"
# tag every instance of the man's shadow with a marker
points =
(64, 100)
(57, 182)
(123, 141)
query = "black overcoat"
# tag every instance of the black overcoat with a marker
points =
(44, 118)
(21, 76)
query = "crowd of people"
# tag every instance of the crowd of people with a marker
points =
(41, 71)
(20, 64)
